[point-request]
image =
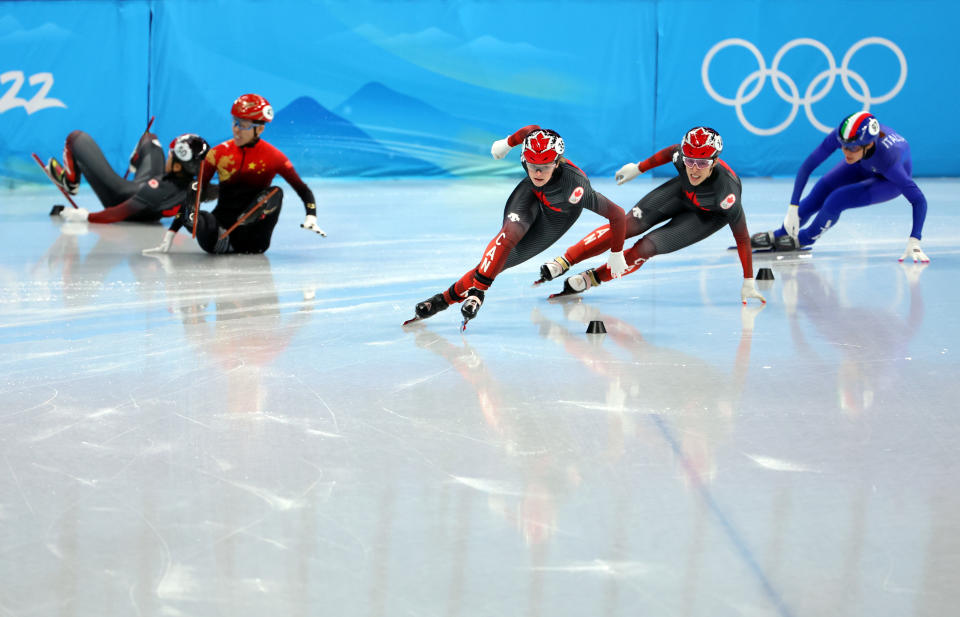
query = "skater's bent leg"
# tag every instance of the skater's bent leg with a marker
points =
(88, 159)
(635, 257)
(253, 236)
(594, 243)
(841, 176)
(149, 158)
(208, 234)
(647, 213)
(492, 262)
(865, 193)
(681, 231)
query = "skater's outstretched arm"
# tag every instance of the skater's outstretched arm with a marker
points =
(632, 170)
(828, 146)
(501, 147)
(288, 173)
(903, 181)
(618, 226)
(745, 252)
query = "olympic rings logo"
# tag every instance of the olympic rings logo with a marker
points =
(758, 79)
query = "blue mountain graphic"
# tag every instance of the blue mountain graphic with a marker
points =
(321, 143)
(410, 125)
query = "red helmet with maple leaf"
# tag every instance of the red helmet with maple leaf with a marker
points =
(541, 147)
(252, 107)
(701, 142)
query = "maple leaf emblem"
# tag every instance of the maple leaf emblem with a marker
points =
(540, 142)
(699, 138)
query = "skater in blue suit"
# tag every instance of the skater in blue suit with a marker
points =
(876, 167)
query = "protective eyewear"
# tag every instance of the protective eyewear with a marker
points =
(698, 163)
(541, 168)
(851, 147)
(244, 125)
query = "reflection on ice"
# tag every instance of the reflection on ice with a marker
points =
(188, 434)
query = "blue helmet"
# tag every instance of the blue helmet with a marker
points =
(859, 129)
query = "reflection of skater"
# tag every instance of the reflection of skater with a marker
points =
(87, 272)
(242, 330)
(546, 474)
(246, 166)
(159, 188)
(869, 340)
(541, 209)
(656, 380)
(876, 167)
(703, 197)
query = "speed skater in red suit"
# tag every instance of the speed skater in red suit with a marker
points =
(246, 166)
(543, 206)
(701, 199)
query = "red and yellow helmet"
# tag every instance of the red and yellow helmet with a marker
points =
(252, 107)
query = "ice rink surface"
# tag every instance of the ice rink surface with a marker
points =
(256, 435)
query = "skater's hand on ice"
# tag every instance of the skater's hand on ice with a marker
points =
(914, 252)
(627, 173)
(617, 264)
(749, 290)
(310, 224)
(500, 149)
(164, 246)
(791, 223)
(76, 215)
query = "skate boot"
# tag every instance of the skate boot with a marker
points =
(579, 283)
(785, 243)
(471, 306)
(553, 269)
(762, 240)
(431, 306)
(59, 175)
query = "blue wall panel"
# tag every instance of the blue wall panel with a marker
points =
(93, 55)
(829, 59)
(377, 88)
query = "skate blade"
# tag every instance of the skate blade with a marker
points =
(49, 177)
(539, 281)
(564, 294)
(410, 321)
(772, 250)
